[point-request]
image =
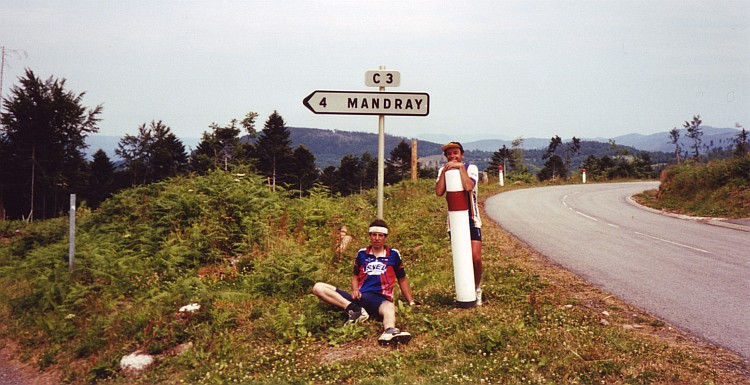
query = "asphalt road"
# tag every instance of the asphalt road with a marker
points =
(690, 273)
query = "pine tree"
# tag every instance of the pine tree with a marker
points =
(217, 149)
(154, 154)
(43, 134)
(742, 147)
(674, 138)
(304, 169)
(273, 151)
(694, 132)
(102, 181)
(554, 166)
(168, 157)
(502, 157)
(398, 166)
(368, 177)
(348, 175)
(223, 147)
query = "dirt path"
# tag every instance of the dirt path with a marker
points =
(15, 372)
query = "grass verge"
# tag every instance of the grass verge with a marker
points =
(259, 324)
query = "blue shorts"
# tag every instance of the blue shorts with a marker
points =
(475, 232)
(370, 301)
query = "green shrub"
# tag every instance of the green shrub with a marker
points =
(285, 273)
(718, 188)
(37, 234)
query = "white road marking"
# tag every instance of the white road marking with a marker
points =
(674, 243)
(589, 217)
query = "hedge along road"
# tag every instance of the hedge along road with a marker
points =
(689, 273)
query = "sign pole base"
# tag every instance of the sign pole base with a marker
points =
(466, 304)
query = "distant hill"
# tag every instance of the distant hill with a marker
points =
(496, 144)
(329, 146)
(713, 137)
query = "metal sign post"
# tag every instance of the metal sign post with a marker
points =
(72, 232)
(372, 103)
(381, 152)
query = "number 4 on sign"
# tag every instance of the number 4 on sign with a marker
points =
(323, 102)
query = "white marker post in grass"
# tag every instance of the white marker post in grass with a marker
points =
(500, 175)
(583, 174)
(458, 214)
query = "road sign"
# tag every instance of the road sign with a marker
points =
(368, 103)
(382, 78)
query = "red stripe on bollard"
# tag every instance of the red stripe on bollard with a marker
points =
(457, 201)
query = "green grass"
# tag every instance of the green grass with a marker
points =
(148, 251)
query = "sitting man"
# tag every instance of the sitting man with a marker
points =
(376, 270)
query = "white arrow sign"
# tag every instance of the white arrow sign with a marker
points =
(368, 103)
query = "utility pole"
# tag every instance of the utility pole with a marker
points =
(2, 75)
(2, 69)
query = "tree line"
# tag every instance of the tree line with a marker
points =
(44, 127)
(694, 132)
(621, 163)
(42, 142)
(558, 164)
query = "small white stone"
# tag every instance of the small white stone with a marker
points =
(192, 308)
(136, 361)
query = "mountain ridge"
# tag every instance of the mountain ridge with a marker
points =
(644, 142)
(329, 146)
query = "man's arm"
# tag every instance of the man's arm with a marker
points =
(355, 287)
(403, 284)
(440, 183)
(466, 181)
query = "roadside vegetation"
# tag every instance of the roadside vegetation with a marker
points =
(700, 187)
(719, 188)
(248, 257)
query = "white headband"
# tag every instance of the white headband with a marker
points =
(378, 229)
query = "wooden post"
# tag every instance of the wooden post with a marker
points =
(414, 159)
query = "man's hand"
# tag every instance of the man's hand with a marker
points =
(453, 166)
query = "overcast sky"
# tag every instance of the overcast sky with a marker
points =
(493, 69)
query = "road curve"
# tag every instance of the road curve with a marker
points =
(691, 274)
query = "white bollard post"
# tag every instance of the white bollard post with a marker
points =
(500, 174)
(583, 174)
(72, 232)
(458, 214)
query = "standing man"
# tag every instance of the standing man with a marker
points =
(377, 268)
(454, 154)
